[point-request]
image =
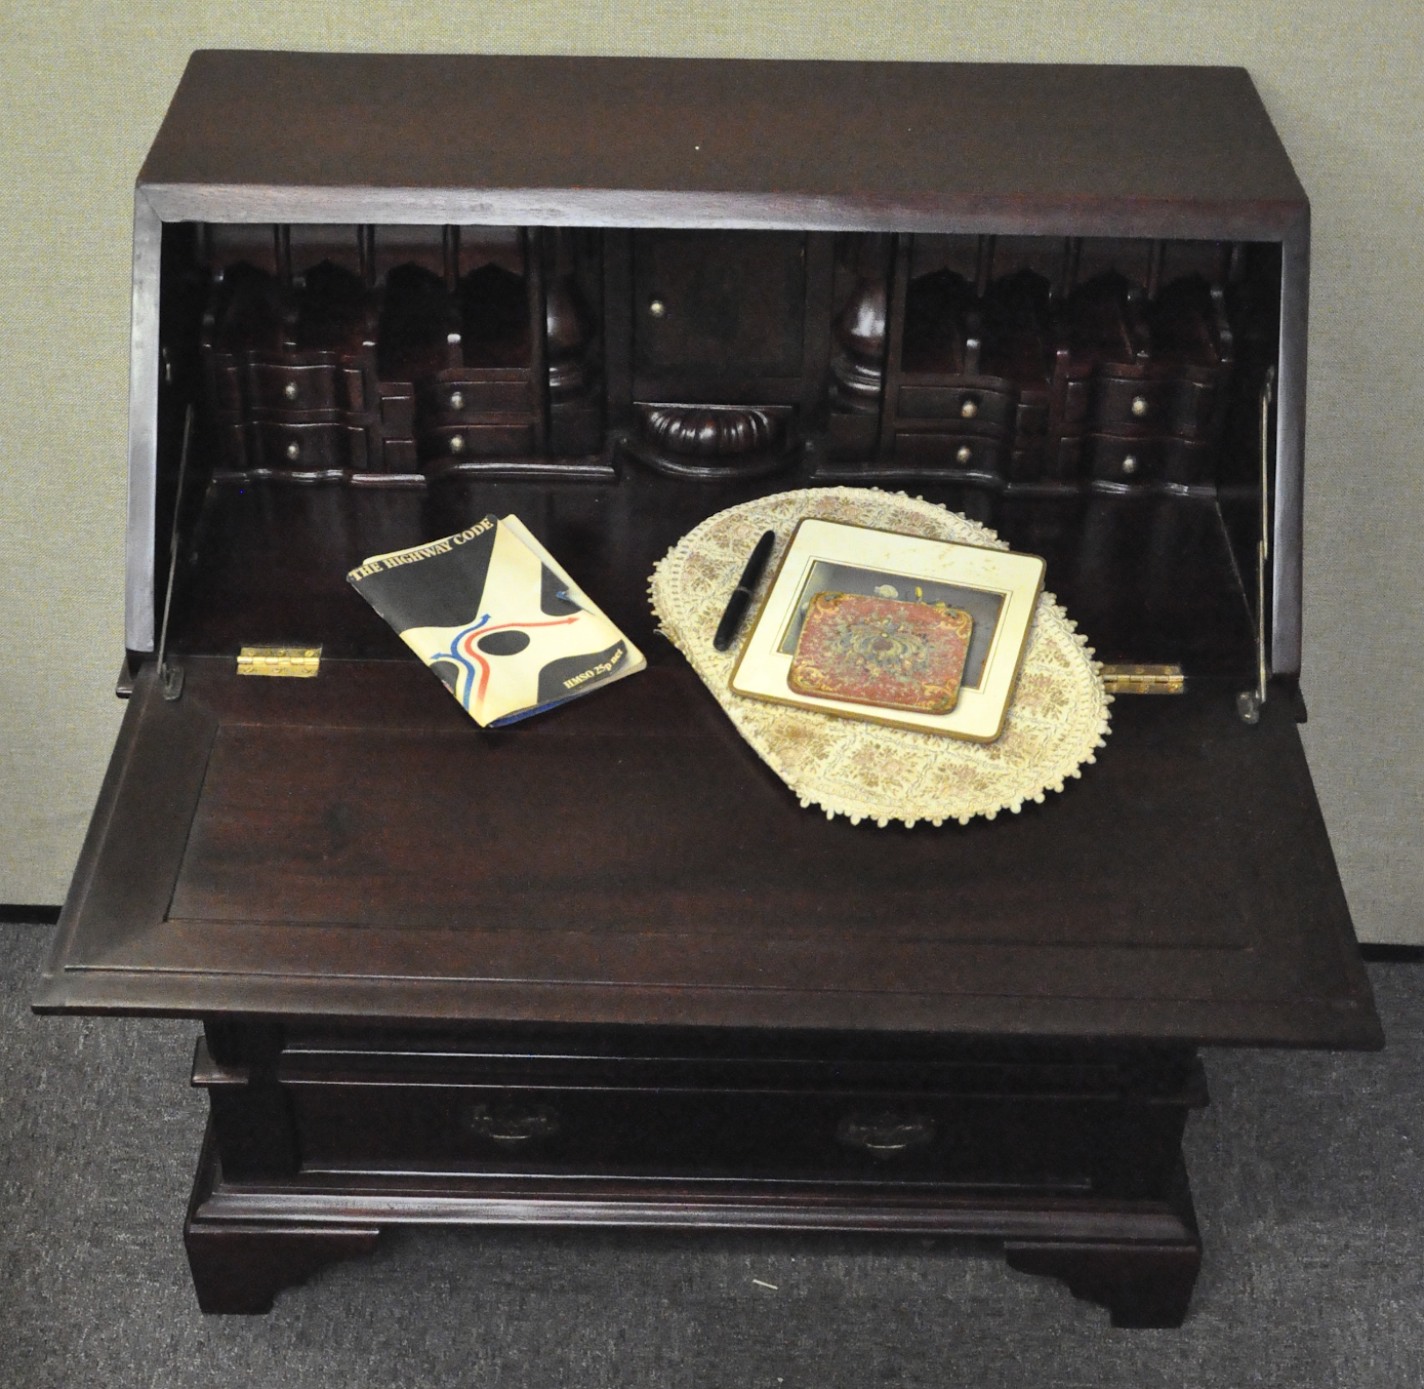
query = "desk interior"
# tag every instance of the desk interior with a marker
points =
(1148, 578)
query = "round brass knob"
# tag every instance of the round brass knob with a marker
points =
(457, 400)
(969, 408)
(1129, 464)
(657, 308)
(294, 450)
(290, 390)
(457, 444)
(1139, 405)
(964, 454)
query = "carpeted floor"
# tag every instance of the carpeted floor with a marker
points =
(1306, 1170)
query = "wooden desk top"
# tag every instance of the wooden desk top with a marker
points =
(1115, 150)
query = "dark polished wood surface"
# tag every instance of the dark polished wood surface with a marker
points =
(739, 142)
(602, 968)
(354, 846)
(249, 1240)
(1066, 1151)
(1150, 577)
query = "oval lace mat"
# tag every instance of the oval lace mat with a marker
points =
(1057, 720)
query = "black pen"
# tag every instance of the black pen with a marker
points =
(736, 608)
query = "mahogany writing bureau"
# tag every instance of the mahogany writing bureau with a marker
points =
(601, 967)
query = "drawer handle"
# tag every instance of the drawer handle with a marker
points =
(884, 1135)
(513, 1124)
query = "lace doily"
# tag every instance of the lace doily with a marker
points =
(1056, 722)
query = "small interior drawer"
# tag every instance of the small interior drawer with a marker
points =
(310, 446)
(1176, 405)
(974, 454)
(287, 385)
(463, 397)
(454, 443)
(976, 409)
(1135, 461)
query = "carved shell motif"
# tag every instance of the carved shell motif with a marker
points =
(709, 431)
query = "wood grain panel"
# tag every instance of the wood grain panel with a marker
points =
(735, 143)
(359, 848)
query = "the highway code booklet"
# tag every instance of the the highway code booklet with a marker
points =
(491, 612)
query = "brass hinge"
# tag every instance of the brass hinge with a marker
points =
(289, 662)
(1129, 679)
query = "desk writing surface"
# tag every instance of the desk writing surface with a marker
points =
(352, 846)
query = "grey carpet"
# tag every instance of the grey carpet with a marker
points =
(1306, 1170)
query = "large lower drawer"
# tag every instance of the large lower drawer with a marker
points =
(1044, 1126)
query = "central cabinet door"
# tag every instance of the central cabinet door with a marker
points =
(719, 316)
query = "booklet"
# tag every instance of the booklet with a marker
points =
(492, 613)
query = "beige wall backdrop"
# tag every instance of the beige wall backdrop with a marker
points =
(85, 83)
